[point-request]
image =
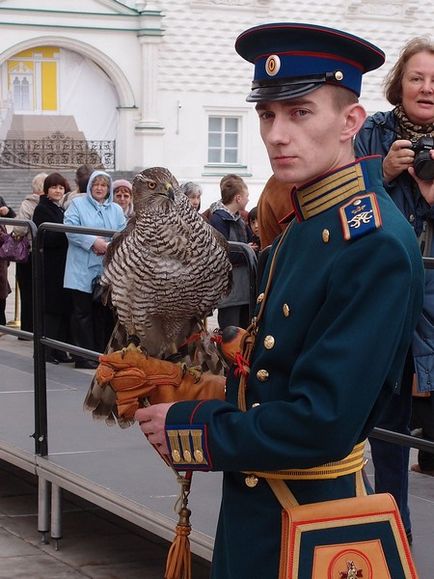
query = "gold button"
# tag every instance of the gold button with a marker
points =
(176, 456)
(251, 481)
(326, 235)
(187, 456)
(286, 310)
(198, 455)
(260, 298)
(339, 75)
(262, 375)
(269, 342)
(255, 404)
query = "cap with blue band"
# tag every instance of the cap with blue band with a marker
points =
(293, 59)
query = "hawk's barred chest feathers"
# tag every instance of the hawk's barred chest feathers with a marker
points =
(168, 268)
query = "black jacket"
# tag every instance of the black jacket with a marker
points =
(55, 248)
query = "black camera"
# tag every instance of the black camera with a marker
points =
(423, 163)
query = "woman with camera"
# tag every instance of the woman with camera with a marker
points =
(404, 137)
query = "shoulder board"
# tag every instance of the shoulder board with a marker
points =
(361, 215)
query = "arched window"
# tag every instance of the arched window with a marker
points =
(21, 93)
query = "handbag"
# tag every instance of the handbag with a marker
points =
(14, 248)
(349, 538)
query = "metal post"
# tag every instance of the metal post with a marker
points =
(43, 508)
(56, 514)
(40, 373)
(16, 323)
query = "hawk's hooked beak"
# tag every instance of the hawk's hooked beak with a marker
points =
(170, 191)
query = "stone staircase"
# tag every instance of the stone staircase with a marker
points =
(15, 184)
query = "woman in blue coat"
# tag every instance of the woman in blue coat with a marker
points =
(91, 323)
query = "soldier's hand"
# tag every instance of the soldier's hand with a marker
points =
(152, 422)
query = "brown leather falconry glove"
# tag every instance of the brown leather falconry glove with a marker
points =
(137, 380)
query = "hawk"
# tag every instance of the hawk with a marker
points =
(164, 272)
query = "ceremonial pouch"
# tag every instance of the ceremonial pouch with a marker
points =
(343, 539)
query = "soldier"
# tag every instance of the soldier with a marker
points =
(338, 303)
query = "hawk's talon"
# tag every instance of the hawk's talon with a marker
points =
(196, 372)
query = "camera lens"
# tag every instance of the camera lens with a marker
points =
(424, 166)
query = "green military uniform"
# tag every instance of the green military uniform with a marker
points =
(344, 299)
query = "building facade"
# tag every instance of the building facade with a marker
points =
(161, 80)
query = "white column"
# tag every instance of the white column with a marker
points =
(37, 79)
(150, 117)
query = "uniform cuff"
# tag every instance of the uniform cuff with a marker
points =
(187, 434)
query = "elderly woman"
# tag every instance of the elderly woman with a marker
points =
(409, 87)
(91, 322)
(193, 192)
(122, 195)
(56, 303)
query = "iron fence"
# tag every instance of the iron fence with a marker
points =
(56, 150)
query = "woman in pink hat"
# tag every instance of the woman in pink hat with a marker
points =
(122, 195)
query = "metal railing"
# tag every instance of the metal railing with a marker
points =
(57, 150)
(41, 341)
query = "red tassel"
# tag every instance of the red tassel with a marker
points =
(216, 337)
(242, 365)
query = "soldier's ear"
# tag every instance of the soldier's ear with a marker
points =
(354, 117)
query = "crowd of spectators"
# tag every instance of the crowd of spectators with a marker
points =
(71, 262)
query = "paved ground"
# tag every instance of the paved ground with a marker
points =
(96, 544)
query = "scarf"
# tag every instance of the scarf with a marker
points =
(408, 130)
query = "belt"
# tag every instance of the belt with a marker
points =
(352, 463)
